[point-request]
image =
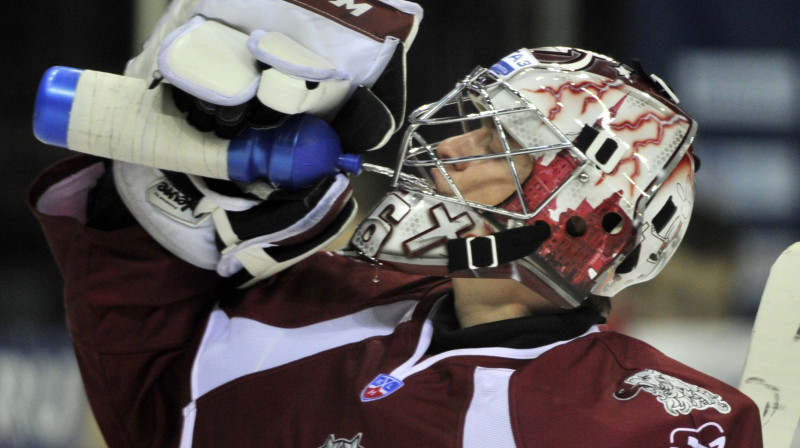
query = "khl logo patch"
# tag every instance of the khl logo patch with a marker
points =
(380, 387)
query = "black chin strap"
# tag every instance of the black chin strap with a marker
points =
(493, 250)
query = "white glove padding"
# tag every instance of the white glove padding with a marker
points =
(238, 234)
(298, 56)
(226, 59)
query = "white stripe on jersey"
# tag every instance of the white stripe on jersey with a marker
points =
(235, 347)
(187, 433)
(488, 422)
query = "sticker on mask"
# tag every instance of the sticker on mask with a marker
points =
(514, 62)
(175, 203)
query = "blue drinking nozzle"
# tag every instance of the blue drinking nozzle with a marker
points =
(296, 154)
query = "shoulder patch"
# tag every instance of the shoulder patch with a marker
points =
(355, 442)
(677, 396)
(710, 435)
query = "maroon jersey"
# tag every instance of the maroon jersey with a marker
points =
(333, 353)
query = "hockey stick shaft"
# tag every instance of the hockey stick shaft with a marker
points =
(772, 370)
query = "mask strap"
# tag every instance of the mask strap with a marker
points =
(493, 250)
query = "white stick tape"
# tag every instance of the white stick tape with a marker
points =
(120, 118)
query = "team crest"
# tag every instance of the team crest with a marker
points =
(677, 396)
(355, 442)
(380, 387)
(709, 435)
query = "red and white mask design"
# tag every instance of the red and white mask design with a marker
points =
(557, 167)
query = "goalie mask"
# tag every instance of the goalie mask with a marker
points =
(557, 167)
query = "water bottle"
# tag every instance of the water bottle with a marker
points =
(120, 118)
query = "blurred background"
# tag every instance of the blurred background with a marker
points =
(734, 65)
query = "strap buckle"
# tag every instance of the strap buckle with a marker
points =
(492, 250)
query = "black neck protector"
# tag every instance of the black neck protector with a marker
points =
(521, 332)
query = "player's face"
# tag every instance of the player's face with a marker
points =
(485, 181)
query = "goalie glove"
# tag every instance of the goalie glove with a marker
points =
(236, 64)
(239, 63)
(247, 232)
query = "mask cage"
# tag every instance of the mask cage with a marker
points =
(468, 106)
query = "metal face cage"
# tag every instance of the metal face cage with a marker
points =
(468, 106)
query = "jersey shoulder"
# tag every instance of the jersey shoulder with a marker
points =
(328, 285)
(646, 361)
(642, 396)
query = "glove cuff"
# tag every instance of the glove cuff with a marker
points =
(166, 212)
(261, 262)
(231, 233)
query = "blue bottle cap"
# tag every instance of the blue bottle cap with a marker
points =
(53, 105)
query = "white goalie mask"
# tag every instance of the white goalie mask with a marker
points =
(557, 167)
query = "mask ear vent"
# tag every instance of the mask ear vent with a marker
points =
(630, 262)
(664, 216)
(600, 147)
